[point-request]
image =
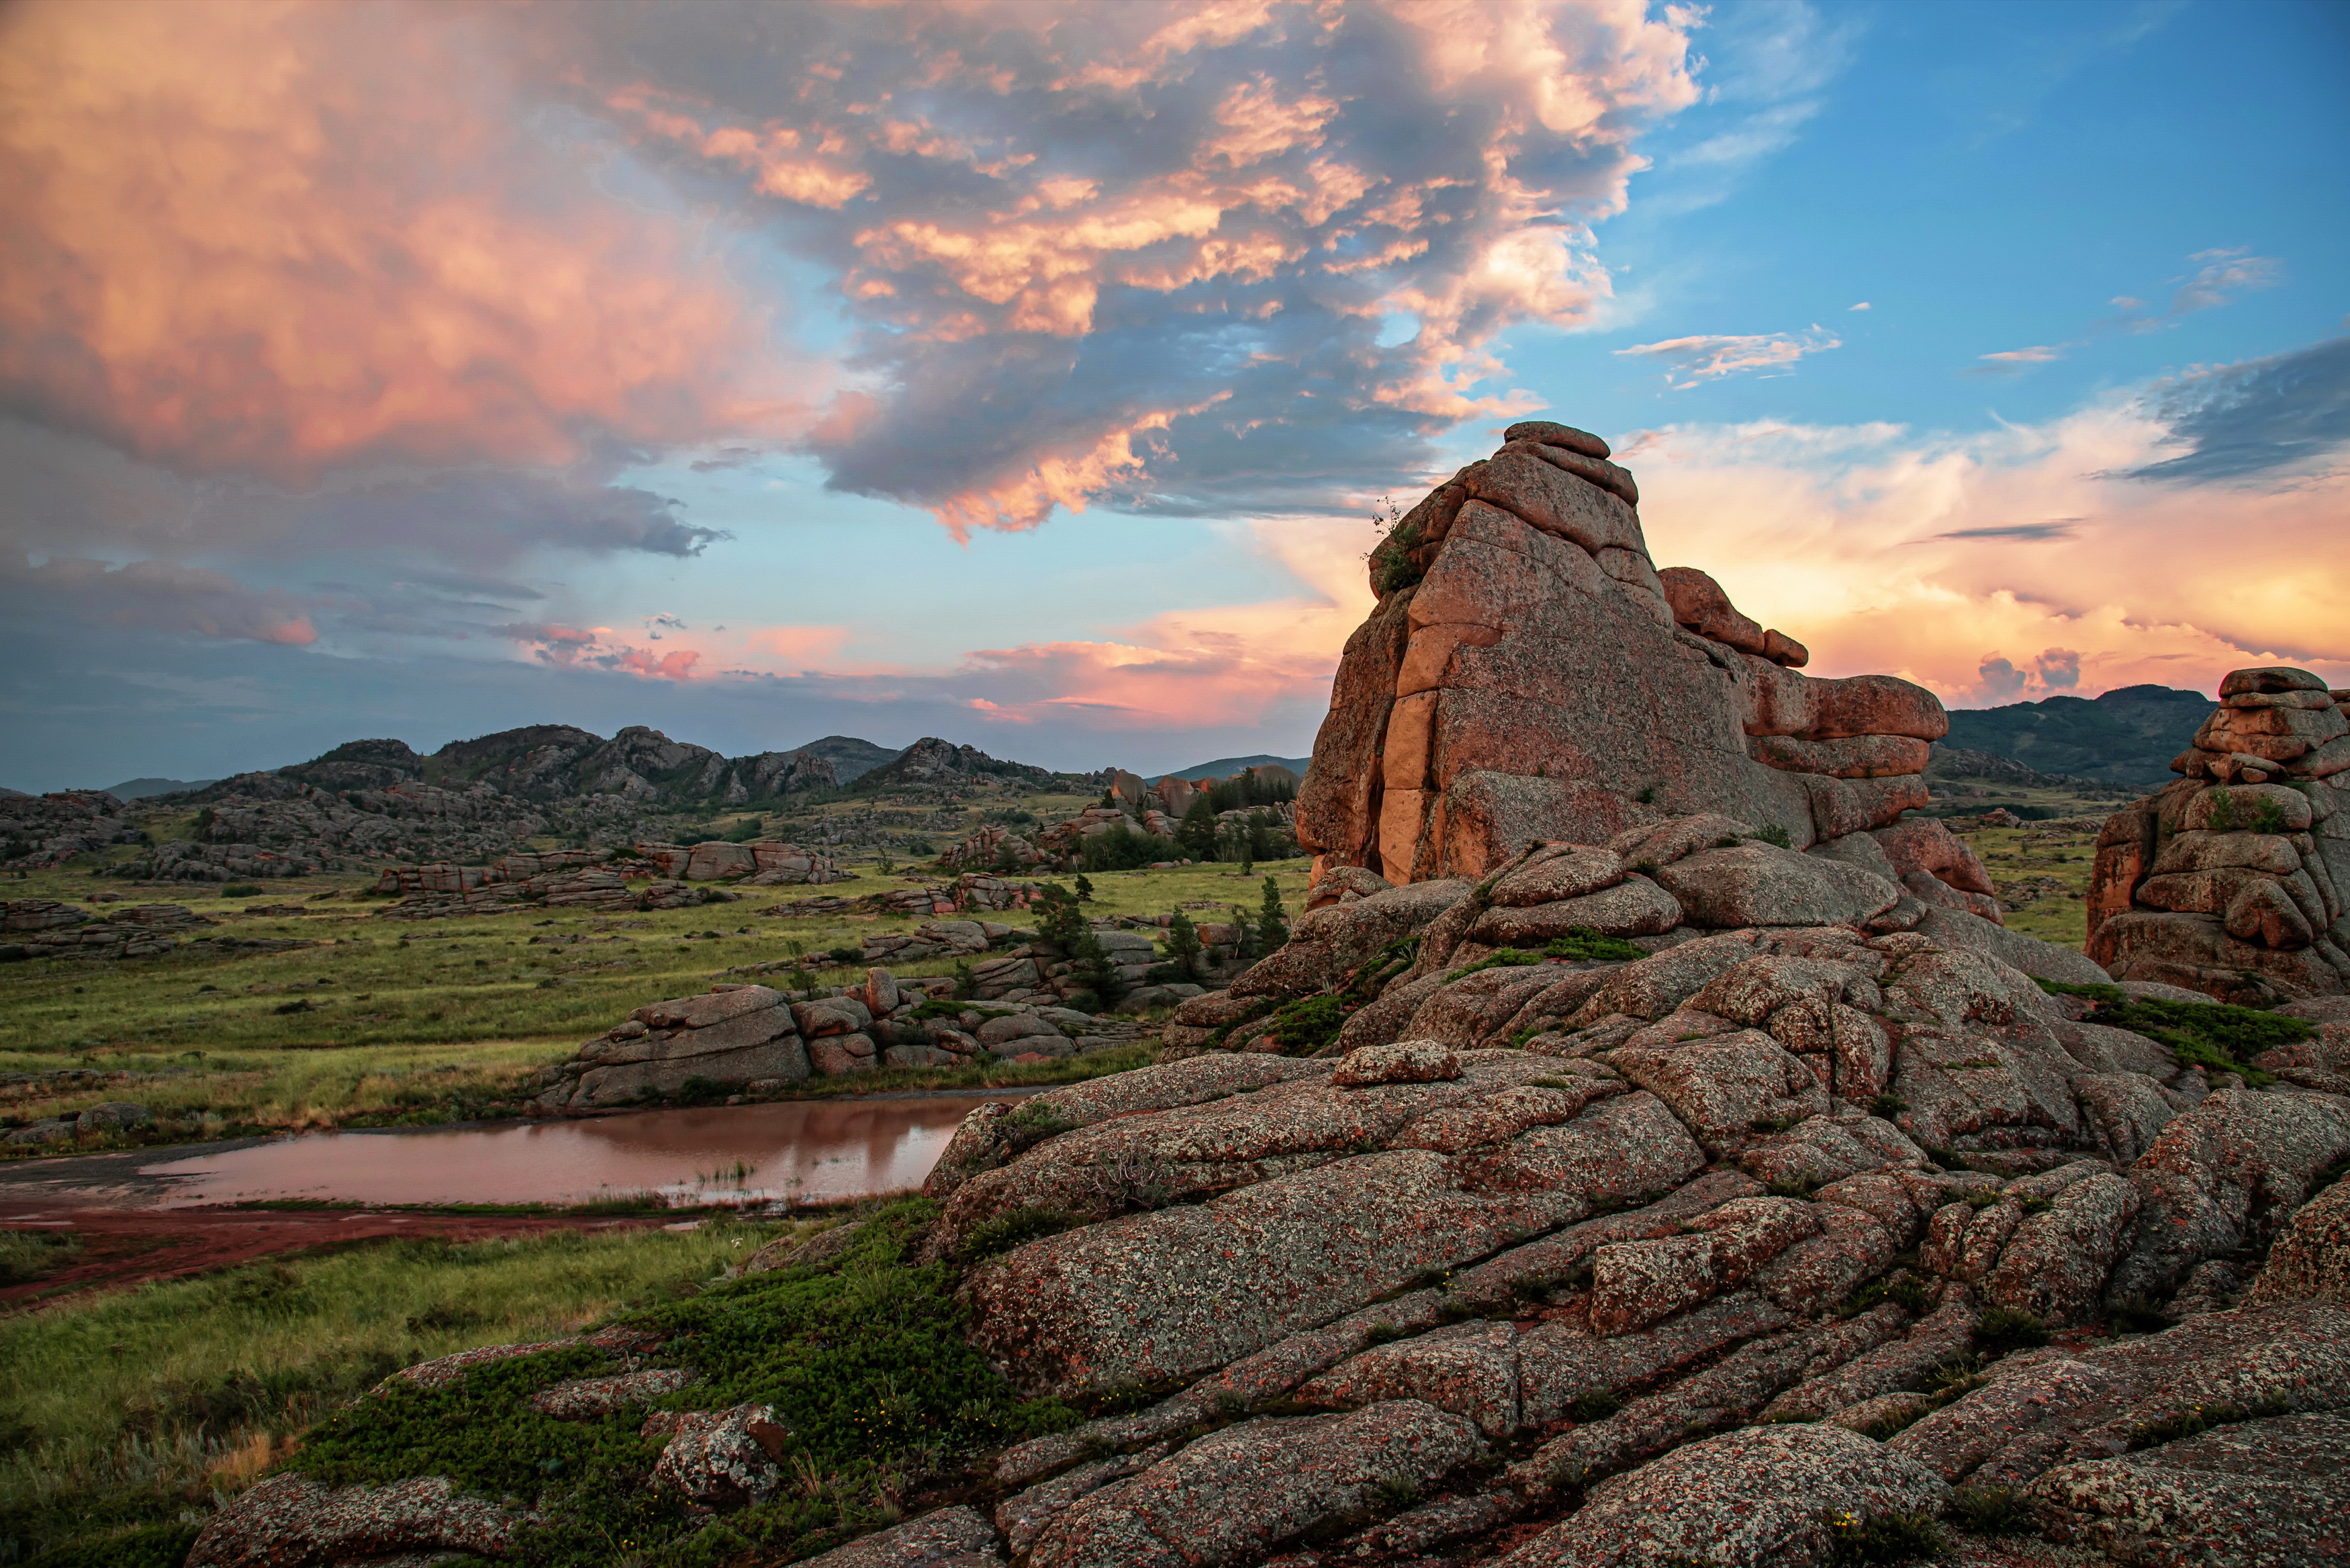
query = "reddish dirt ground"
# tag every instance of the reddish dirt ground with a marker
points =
(125, 1247)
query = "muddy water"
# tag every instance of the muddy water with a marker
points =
(804, 1151)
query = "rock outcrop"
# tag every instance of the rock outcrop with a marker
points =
(1529, 676)
(2231, 880)
(44, 928)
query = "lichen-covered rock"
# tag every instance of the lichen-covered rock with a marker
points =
(2054, 1266)
(1768, 1497)
(950, 1538)
(2259, 1494)
(1237, 1493)
(2311, 1261)
(2223, 1173)
(289, 1521)
(725, 1458)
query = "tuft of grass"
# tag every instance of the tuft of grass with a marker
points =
(29, 1255)
(1399, 1492)
(2004, 1329)
(1888, 1106)
(1014, 1228)
(1595, 1405)
(1896, 1537)
(1582, 944)
(2208, 1034)
(1991, 1510)
(1772, 833)
(2136, 1313)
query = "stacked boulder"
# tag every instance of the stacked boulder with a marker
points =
(44, 928)
(991, 845)
(749, 1039)
(570, 878)
(763, 863)
(1528, 676)
(2232, 881)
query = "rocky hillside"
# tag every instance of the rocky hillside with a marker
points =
(2125, 736)
(850, 757)
(553, 763)
(932, 764)
(1649, 1150)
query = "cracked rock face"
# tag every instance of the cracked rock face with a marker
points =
(1529, 675)
(2232, 881)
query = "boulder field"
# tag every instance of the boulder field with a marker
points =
(1648, 1150)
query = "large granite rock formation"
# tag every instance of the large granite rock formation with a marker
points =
(2231, 880)
(1530, 676)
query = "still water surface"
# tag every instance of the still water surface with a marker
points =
(801, 1150)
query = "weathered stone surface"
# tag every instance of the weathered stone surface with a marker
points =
(1940, 1339)
(1722, 1087)
(1559, 871)
(1759, 884)
(1410, 1062)
(1957, 1438)
(2221, 1175)
(585, 1399)
(1326, 945)
(1635, 907)
(952, 1538)
(1635, 1283)
(2054, 1266)
(289, 1521)
(1763, 1497)
(2043, 961)
(2125, 1111)
(1238, 1493)
(2311, 1261)
(2263, 1494)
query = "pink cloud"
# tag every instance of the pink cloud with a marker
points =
(1944, 559)
(277, 239)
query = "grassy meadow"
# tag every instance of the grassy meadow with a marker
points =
(387, 1022)
(145, 1407)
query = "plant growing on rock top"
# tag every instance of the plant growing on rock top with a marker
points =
(2208, 1034)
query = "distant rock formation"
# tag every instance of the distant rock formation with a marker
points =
(44, 830)
(1529, 677)
(557, 762)
(932, 761)
(2232, 881)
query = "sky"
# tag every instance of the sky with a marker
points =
(1030, 374)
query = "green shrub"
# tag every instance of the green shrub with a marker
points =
(1306, 1026)
(2139, 1314)
(241, 890)
(1123, 849)
(2208, 1034)
(1771, 833)
(2004, 1329)
(1582, 944)
(1888, 1106)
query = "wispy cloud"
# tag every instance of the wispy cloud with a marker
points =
(1706, 358)
(2287, 414)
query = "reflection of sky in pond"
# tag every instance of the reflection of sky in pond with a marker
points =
(808, 1149)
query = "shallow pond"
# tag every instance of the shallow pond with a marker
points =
(795, 1151)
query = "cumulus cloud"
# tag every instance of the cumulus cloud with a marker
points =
(275, 241)
(155, 597)
(1700, 360)
(1143, 253)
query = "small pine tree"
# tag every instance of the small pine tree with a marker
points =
(1244, 943)
(1273, 920)
(1183, 944)
(1059, 923)
(1094, 969)
(1197, 832)
(966, 983)
(1260, 838)
(1084, 889)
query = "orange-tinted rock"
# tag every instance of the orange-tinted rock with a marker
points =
(1550, 434)
(1539, 682)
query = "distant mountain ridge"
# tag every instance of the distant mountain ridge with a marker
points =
(1225, 767)
(140, 789)
(555, 763)
(851, 758)
(2127, 735)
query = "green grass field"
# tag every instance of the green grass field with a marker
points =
(148, 1406)
(398, 1021)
